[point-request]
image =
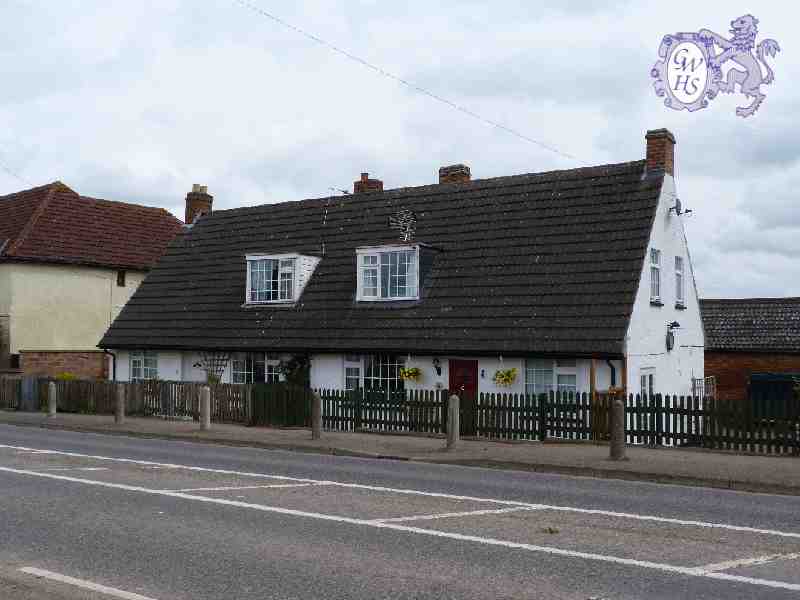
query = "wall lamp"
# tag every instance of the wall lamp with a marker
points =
(437, 364)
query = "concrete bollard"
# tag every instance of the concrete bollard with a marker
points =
(316, 416)
(119, 409)
(205, 408)
(51, 399)
(453, 421)
(617, 445)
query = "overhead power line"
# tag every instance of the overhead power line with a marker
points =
(14, 174)
(413, 86)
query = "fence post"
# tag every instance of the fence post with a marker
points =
(617, 445)
(542, 420)
(205, 408)
(453, 421)
(119, 412)
(316, 416)
(248, 390)
(51, 399)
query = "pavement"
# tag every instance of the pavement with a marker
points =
(743, 472)
(88, 515)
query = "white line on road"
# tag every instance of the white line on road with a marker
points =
(748, 562)
(689, 571)
(468, 513)
(244, 487)
(376, 488)
(72, 469)
(86, 585)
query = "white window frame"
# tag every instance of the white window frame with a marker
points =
(147, 373)
(387, 364)
(375, 252)
(248, 371)
(680, 296)
(647, 375)
(353, 362)
(655, 275)
(294, 286)
(556, 368)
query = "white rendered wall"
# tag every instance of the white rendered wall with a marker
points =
(646, 337)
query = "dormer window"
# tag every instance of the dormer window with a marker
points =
(388, 273)
(277, 278)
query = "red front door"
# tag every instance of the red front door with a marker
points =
(464, 376)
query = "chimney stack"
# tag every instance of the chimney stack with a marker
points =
(198, 203)
(661, 150)
(367, 185)
(454, 174)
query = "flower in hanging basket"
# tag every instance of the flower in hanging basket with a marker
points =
(410, 374)
(505, 377)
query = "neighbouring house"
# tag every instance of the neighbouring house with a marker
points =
(578, 279)
(68, 264)
(750, 337)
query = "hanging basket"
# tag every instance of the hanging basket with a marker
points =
(411, 374)
(505, 377)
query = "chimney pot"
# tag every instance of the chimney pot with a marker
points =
(367, 185)
(454, 174)
(198, 203)
(661, 150)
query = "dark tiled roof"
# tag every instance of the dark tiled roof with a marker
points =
(752, 324)
(545, 263)
(54, 224)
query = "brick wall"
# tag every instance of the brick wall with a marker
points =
(84, 365)
(732, 369)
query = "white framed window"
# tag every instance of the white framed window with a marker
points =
(144, 365)
(679, 297)
(383, 373)
(539, 376)
(247, 367)
(545, 375)
(567, 383)
(352, 378)
(388, 273)
(647, 381)
(271, 278)
(655, 275)
(272, 372)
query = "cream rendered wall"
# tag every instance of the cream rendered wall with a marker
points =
(62, 307)
(5, 289)
(645, 340)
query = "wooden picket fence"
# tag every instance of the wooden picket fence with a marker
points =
(417, 411)
(10, 392)
(768, 424)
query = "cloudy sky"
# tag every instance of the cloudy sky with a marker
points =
(136, 101)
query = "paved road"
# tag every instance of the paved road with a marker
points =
(170, 520)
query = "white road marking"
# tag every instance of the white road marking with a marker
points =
(469, 513)
(243, 487)
(73, 469)
(689, 571)
(748, 562)
(376, 488)
(86, 585)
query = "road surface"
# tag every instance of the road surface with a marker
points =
(92, 516)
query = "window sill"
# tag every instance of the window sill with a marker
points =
(680, 306)
(275, 303)
(656, 303)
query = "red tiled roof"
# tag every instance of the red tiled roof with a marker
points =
(52, 223)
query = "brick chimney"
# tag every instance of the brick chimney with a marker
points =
(367, 185)
(198, 203)
(661, 150)
(454, 174)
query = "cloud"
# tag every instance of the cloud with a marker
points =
(137, 101)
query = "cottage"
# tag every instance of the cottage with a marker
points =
(68, 264)
(749, 337)
(567, 280)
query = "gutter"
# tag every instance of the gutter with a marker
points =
(113, 363)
